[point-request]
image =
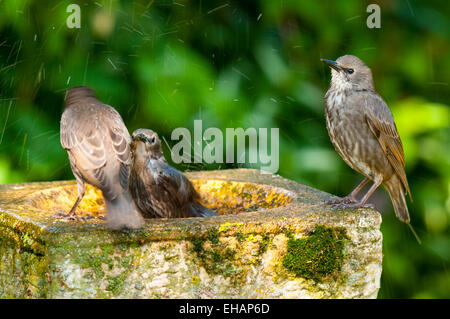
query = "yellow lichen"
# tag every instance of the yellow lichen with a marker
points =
(227, 226)
(236, 197)
(195, 280)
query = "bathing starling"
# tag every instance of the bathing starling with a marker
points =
(158, 189)
(97, 142)
(362, 130)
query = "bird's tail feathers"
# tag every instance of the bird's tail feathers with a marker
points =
(201, 211)
(397, 194)
(121, 212)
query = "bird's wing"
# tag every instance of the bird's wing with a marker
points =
(120, 138)
(171, 180)
(381, 123)
(176, 189)
(83, 141)
(83, 134)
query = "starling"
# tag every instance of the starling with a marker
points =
(362, 130)
(158, 189)
(97, 142)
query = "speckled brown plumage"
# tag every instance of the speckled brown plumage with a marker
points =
(97, 143)
(362, 130)
(158, 189)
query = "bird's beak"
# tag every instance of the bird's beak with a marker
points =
(332, 64)
(139, 137)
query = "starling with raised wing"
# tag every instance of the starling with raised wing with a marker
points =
(98, 144)
(158, 189)
(362, 130)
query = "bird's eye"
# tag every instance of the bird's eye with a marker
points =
(350, 71)
(152, 140)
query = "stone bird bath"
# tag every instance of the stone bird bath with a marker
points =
(273, 239)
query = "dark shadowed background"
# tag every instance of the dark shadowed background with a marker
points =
(163, 64)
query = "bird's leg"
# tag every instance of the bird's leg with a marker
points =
(350, 198)
(362, 202)
(81, 190)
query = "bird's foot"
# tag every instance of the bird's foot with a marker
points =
(70, 217)
(355, 205)
(344, 200)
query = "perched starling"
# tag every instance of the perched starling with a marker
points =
(158, 189)
(97, 142)
(363, 132)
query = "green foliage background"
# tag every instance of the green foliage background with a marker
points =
(163, 64)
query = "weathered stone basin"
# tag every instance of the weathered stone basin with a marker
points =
(273, 239)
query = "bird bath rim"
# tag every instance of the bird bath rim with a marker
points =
(17, 200)
(305, 205)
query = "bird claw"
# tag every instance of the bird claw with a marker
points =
(344, 200)
(348, 202)
(356, 205)
(70, 217)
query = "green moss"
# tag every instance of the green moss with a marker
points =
(229, 253)
(126, 261)
(115, 283)
(240, 237)
(213, 236)
(288, 233)
(319, 255)
(114, 257)
(122, 247)
(22, 264)
(264, 243)
(197, 246)
(215, 258)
